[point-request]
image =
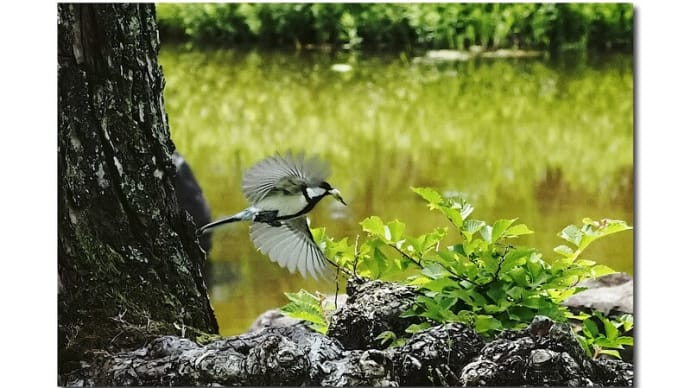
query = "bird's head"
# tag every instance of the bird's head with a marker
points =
(323, 189)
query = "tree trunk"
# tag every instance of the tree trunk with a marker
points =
(129, 264)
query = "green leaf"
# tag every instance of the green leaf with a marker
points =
(306, 307)
(519, 276)
(374, 226)
(378, 262)
(627, 321)
(495, 308)
(604, 342)
(591, 231)
(414, 328)
(605, 226)
(465, 209)
(418, 280)
(496, 292)
(601, 270)
(396, 229)
(319, 234)
(585, 345)
(571, 234)
(521, 313)
(625, 340)
(609, 328)
(518, 230)
(441, 284)
(581, 316)
(563, 250)
(515, 292)
(590, 329)
(456, 212)
(472, 226)
(610, 352)
(478, 298)
(486, 232)
(434, 271)
(446, 303)
(454, 216)
(464, 316)
(486, 323)
(514, 258)
(430, 195)
(431, 240)
(499, 228)
(386, 336)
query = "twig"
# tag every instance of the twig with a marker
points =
(356, 258)
(408, 257)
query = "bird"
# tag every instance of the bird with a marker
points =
(281, 191)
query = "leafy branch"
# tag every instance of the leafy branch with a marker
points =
(485, 279)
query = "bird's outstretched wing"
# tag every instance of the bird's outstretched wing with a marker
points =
(292, 246)
(282, 173)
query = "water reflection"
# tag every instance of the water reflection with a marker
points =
(547, 141)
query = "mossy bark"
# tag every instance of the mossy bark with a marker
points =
(128, 260)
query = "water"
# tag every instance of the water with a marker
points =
(548, 141)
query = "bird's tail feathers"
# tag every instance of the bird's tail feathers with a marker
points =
(244, 215)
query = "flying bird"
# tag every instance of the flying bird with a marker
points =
(281, 191)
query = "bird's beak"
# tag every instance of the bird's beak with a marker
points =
(336, 194)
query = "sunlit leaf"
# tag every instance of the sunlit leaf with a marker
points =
(465, 209)
(571, 234)
(306, 307)
(625, 340)
(486, 232)
(627, 320)
(470, 227)
(601, 270)
(430, 195)
(374, 226)
(499, 227)
(563, 250)
(396, 229)
(518, 230)
(440, 284)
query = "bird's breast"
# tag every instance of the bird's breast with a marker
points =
(284, 205)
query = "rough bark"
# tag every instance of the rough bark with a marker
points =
(376, 308)
(129, 263)
(544, 354)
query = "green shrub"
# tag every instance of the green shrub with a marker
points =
(484, 280)
(403, 26)
(607, 340)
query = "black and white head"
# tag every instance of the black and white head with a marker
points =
(315, 193)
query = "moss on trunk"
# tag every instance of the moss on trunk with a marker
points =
(128, 260)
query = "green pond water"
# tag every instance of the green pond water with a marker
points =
(548, 141)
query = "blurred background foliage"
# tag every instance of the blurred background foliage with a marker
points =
(547, 139)
(543, 26)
